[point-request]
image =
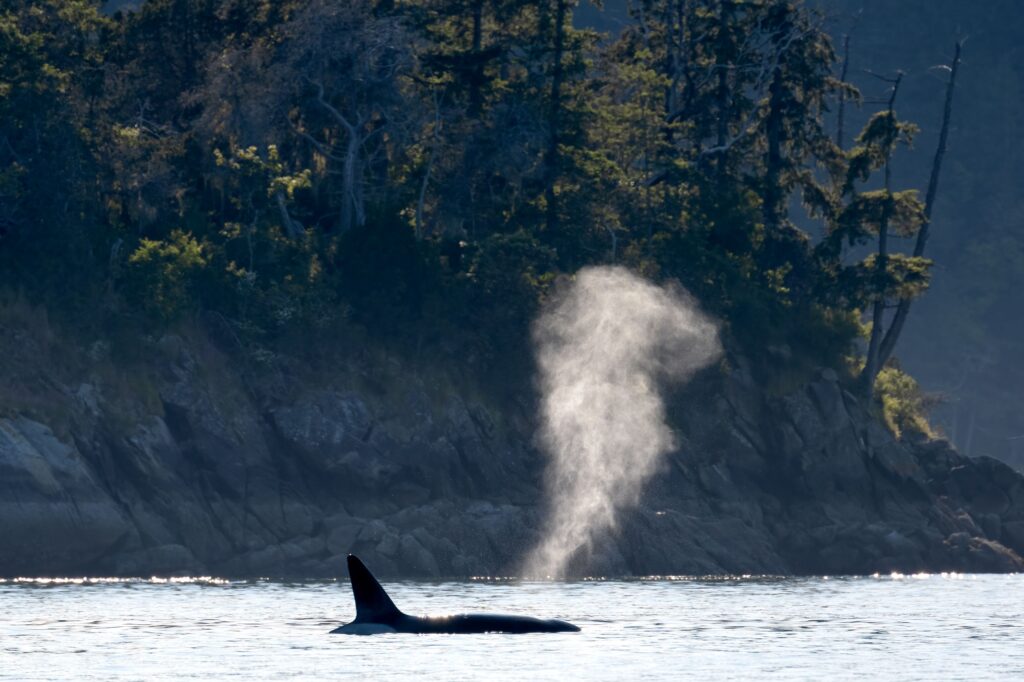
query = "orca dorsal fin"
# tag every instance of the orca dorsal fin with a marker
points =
(373, 605)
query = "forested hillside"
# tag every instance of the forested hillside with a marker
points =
(972, 367)
(972, 370)
(424, 170)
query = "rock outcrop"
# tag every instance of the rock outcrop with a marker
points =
(184, 463)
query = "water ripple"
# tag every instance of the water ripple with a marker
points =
(914, 627)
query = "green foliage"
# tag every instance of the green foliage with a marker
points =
(269, 171)
(48, 60)
(425, 169)
(875, 145)
(904, 406)
(862, 217)
(511, 274)
(904, 277)
(163, 275)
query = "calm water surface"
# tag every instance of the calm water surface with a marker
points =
(891, 627)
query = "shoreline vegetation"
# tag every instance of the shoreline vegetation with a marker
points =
(270, 270)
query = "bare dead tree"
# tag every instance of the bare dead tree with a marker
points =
(353, 63)
(903, 309)
(434, 145)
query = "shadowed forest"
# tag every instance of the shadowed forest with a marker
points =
(972, 368)
(425, 170)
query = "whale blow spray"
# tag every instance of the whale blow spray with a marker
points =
(605, 346)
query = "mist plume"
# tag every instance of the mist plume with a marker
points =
(605, 347)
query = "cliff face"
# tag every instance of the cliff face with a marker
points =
(187, 460)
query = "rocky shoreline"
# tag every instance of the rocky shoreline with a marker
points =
(190, 466)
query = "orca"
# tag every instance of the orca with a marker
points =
(376, 614)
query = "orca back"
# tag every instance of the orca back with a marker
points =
(373, 605)
(376, 614)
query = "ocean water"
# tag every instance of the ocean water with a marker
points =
(923, 627)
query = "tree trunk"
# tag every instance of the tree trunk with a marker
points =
(352, 205)
(476, 99)
(841, 114)
(722, 89)
(552, 161)
(871, 363)
(900, 318)
(772, 199)
(291, 226)
(436, 142)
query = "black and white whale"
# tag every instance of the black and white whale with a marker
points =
(377, 614)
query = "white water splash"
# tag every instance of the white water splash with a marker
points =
(605, 346)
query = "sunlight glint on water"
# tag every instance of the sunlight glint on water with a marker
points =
(906, 627)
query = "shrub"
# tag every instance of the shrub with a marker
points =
(904, 405)
(163, 274)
